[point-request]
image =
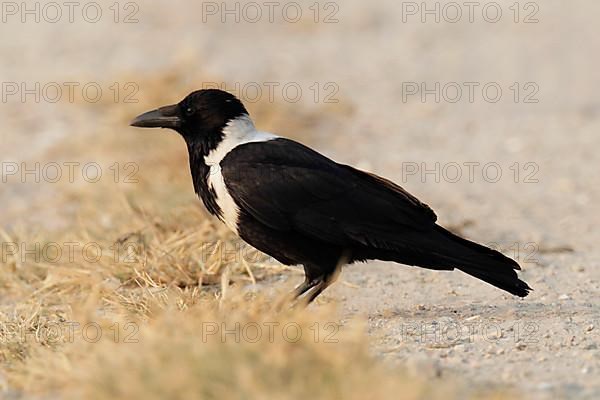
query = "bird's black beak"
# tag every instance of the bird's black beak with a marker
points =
(164, 117)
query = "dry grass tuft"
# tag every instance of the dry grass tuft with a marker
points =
(238, 348)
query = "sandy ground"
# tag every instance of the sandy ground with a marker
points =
(542, 209)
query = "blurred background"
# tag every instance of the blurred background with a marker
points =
(487, 111)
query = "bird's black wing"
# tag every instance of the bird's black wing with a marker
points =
(287, 186)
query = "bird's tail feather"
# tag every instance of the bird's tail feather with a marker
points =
(482, 262)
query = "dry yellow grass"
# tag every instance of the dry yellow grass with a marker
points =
(155, 276)
(193, 346)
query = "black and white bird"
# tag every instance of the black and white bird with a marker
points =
(302, 208)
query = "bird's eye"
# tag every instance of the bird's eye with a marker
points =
(189, 111)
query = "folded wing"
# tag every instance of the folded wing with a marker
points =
(287, 186)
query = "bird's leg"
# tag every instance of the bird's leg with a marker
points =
(317, 290)
(327, 279)
(308, 284)
(318, 285)
(308, 288)
(324, 283)
(312, 277)
(292, 299)
(316, 281)
(304, 286)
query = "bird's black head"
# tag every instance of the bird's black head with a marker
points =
(199, 118)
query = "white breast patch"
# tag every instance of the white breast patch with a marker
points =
(238, 131)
